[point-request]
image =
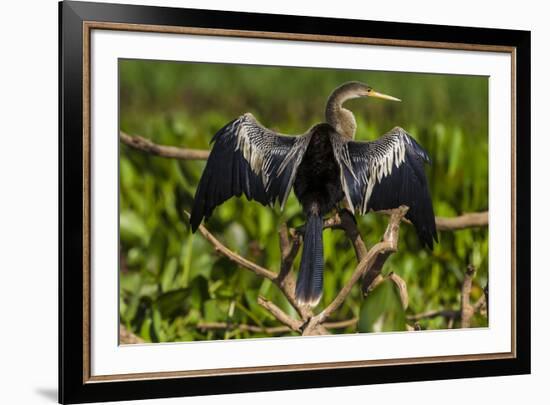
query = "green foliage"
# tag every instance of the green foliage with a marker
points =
(382, 310)
(171, 280)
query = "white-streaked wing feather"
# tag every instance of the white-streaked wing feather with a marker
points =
(248, 158)
(387, 173)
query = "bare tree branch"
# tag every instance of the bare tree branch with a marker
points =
(279, 314)
(469, 220)
(388, 245)
(146, 145)
(341, 324)
(402, 288)
(464, 221)
(242, 327)
(466, 309)
(371, 284)
(369, 267)
(284, 280)
(289, 249)
(445, 313)
(269, 329)
(235, 257)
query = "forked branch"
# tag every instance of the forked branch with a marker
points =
(368, 269)
(367, 264)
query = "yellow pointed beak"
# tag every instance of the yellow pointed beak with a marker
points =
(373, 93)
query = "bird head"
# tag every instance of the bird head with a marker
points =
(342, 119)
(352, 90)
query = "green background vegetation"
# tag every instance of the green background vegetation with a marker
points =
(170, 279)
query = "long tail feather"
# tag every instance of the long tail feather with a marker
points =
(309, 287)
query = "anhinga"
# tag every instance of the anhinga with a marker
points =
(325, 166)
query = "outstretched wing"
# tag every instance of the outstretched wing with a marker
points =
(251, 159)
(387, 173)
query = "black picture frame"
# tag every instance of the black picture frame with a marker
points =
(73, 387)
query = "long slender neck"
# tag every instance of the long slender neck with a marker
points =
(338, 117)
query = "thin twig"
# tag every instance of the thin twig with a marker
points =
(445, 313)
(402, 288)
(341, 324)
(394, 278)
(269, 329)
(242, 327)
(279, 314)
(372, 284)
(466, 309)
(235, 257)
(289, 249)
(464, 221)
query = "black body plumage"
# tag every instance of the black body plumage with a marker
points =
(318, 189)
(324, 166)
(317, 185)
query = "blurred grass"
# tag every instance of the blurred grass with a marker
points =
(171, 280)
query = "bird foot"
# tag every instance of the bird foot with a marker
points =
(347, 212)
